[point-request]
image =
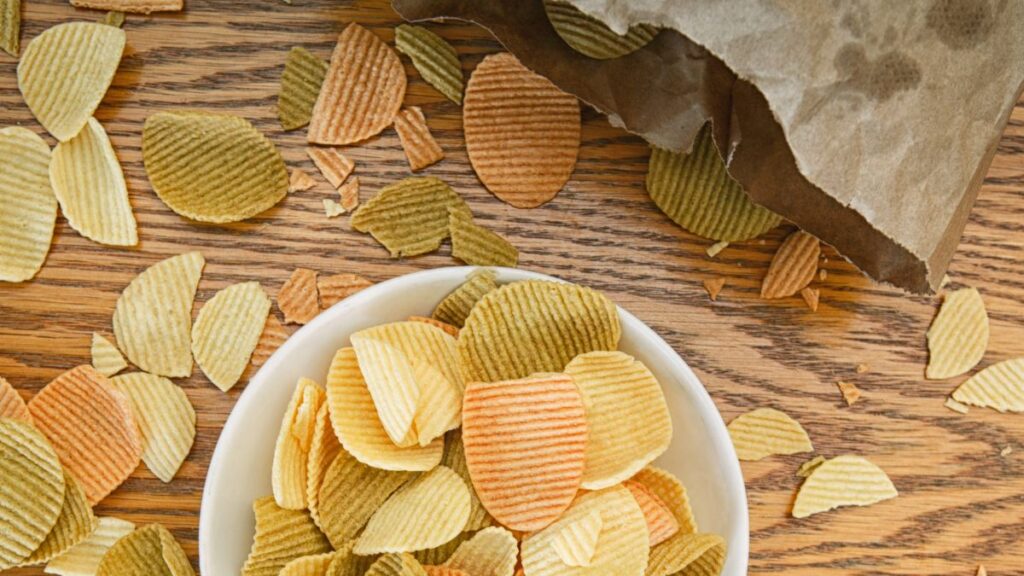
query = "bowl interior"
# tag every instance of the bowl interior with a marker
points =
(701, 454)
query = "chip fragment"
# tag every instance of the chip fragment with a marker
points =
(958, 336)
(478, 246)
(166, 419)
(332, 208)
(294, 440)
(349, 192)
(299, 181)
(336, 287)
(455, 458)
(490, 552)
(148, 551)
(273, 336)
(75, 523)
(714, 287)
(1000, 387)
(793, 266)
(106, 358)
(591, 37)
(697, 554)
(281, 536)
(456, 306)
(434, 58)
(842, 481)
(28, 207)
(298, 298)
(767, 432)
(226, 331)
(670, 492)
(84, 559)
(811, 296)
(421, 150)
(410, 217)
(134, 6)
(576, 543)
(11, 403)
(849, 391)
(334, 165)
(300, 84)
(661, 522)
(10, 26)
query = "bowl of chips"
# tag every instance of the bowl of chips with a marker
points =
(548, 432)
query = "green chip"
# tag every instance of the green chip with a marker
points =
(591, 37)
(434, 58)
(300, 85)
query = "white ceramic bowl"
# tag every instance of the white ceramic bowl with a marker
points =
(701, 454)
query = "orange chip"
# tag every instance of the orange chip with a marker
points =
(811, 296)
(136, 6)
(334, 165)
(849, 391)
(420, 147)
(11, 404)
(451, 330)
(349, 192)
(274, 334)
(337, 287)
(525, 443)
(443, 571)
(714, 286)
(299, 181)
(661, 522)
(297, 298)
(793, 266)
(91, 426)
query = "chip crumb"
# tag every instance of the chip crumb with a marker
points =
(945, 281)
(862, 368)
(822, 274)
(349, 192)
(298, 298)
(332, 208)
(299, 181)
(810, 296)
(807, 467)
(334, 165)
(714, 286)
(850, 392)
(1006, 451)
(717, 247)
(956, 406)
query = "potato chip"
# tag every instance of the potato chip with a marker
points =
(696, 191)
(299, 181)
(153, 315)
(455, 458)
(670, 492)
(441, 554)
(522, 132)
(65, 71)
(714, 287)
(958, 336)
(421, 150)
(212, 167)
(478, 246)
(165, 417)
(10, 26)
(811, 296)
(410, 217)
(113, 18)
(448, 328)
(106, 358)
(490, 552)
(525, 443)
(91, 426)
(300, 85)
(75, 523)
(628, 424)
(281, 536)
(298, 298)
(294, 441)
(90, 187)
(688, 554)
(226, 331)
(358, 427)
(396, 565)
(84, 558)
(362, 92)
(535, 326)
(322, 452)
(793, 266)
(661, 523)
(716, 248)
(134, 6)
(148, 551)
(849, 391)
(956, 406)
(314, 565)
(1000, 386)
(345, 563)
(434, 58)
(334, 165)
(349, 192)
(455, 307)
(28, 208)
(576, 543)
(767, 432)
(337, 287)
(842, 481)
(807, 467)
(332, 209)
(591, 37)
(274, 334)
(32, 493)
(11, 403)
(175, 559)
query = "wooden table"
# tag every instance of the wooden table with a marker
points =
(960, 503)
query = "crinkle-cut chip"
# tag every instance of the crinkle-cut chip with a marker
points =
(84, 558)
(106, 358)
(849, 391)
(434, 58)
(281, 536)
(697, 554)
(294, 441)
(334, 165)
(113, 18)
(628, 424)
(714, 287)
(212, 167)
(273, 336)
(576, 543)
(66, 70)
(75, 523)
(958, 336)
(767, 432)
(90, 187)
(148, 551)
(314, 565)
(696, 191)
(421, 150)
(11, 403)
(478, 246)
(490, 552)
(811, 296)
(358, 427)
(332, 208)
(396, 565)
(32, 491)
(443, 571)
(621, 548)
(793, 266)
(1000, 386)
(535, 326)
(337, 287)
(299, 181)
(28, 208)
(424, 513)
(91, 426)
(226, 331)
(661, 522)
(362, 91)
(455, 458)
(165, 417)
(153, 316)
(300, 84)
(322, 452)
(455, 307)
(298, 298)
(591, 37)
(807, 467)
(842, 481)
(522, 132)
(671, 492)
(134, 6)
(10, 26)
(448, 328)
(410, 217)
(349, 192)
(440, 554)
(175, 559)
(525, 443)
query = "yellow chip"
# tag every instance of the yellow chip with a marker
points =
(134, 6)
(455, 458)
(490, 552)
(212, 167)
(807, 467)
(294, 441)
(113, 18)
(793, 267)
(1000, 386)
(410, 217)
(670, 492)
(441, 554)
(91, 189)
(84, 559)
(420, 147)
(424, 513)
(298, 298)
(767, 432)
(842, 481)
(434, 58)
(322, 452)
(274, 334)
(696, 191)
(535, 326)
(576, 543)
(11, 403)
(148, 551)
(299, 181)
(396, 565)
(66, 70)
(10, 26)
(315, 565)
(349, 192)
(337, 287)
(28, 208)
(958, 336)
(334, 165)
(455, 307)
(106, 358)
(153, 316)
(226, 332)
(591, 37)
(478, 246)
(165, 417)
(281, 536)
(332, 209)
(300, 84)
(75, 523)
(661, 522)
(688, 554)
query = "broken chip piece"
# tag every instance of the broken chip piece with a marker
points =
(434, 58)
(349, 192)
(842, 481)
(714, 287)
(226, 331)
(10, 26)
(166, 419)
(849, 391)
(478, 246)
(273, 336)
(591, 37)
(334, 165)
(106, 358)
(792, 267)
(300, 85)
(299, 181)
(27, 204)
(298, 298)
(958, 336)
(332, 209)
(336, 287)
(134, 6)
(767, 432)
(999, 386)
(420, 147)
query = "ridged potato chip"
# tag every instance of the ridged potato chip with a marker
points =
(11, 403)
(298, 298)
(448, 328)
(281, 536)
(294, 441)
(66, 70)
(84, 559)
(661, 522)
(455, 307)
(440, 554)
(535, 326)
(842, 481)
(315, 565)
(522, 132)
(153, 316)
(591, 37)
(455, 458)
(525, 443)
(106, 358)
(28, 208)
(273, 336)
(299, 181)
(670, 492)
(696, 191)
(91, 426)
(165, 417)
(490, 552)
(1000, 386)
(349, 192)
(322, 452)
(793, 266)
(362, 91)
(410, 217)
(334, 165)
(10, 26)
(434, 58)
(90, 186)
(958, 336)
(134, 6)
(148, 551)
(478, 246)
(421, 150)
(212, 167)
(226, 331)
(688, 554)
(396, 565)
(576, 543)
(337, 287)
(767, 432)
(300, 85)
(75, 523)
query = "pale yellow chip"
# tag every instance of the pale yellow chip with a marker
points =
(455, 307)
(66, 70)
(148, 551)
(336, 287)
(134, 6)
(434, 58)
(314, 565)
(420, 147)
(298, 298)
(332, 209)
(793, 267)
(958, 336)
(90, 186)
(695, 554)
(842, 481)
(226, 331)
(273, 336)
(424, 513)
(767, 432)
(153, 316)
(396, 565)
(591, 37)
(490, 552)
(300, 84)
(334, 165)
(807, 467)
(106, 358)
(84, 559)
(10, 26)
(11, 403)
(1000, 386)
(478, 246)
(28, 208)
(576, 543)
(299, 181)
(75, 523)
(455, 458)
(322, 452)
(294, 441)
(165, 417)
(670, 492)
(281, 536)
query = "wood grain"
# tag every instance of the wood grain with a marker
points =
(960, 502)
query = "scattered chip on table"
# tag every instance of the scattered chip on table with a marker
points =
(842, 481)
(334, 165)
(956, 406)
(281, 536)
(716, 248)
(811, 297)
(434, 58)
(349, 192)
(134, 6)
(661, 522)
(958, 337)
(492, 551)
(10, 26)
(27, 203)
(84, 558)
(11, 403)
(226, 331)
(999, 386)
(299, 181)
(300, 85)
(166, 419)
(273, 336)
(147, 551)
(332, 208)
(792, 267)
(699, 554)
(298, 298)
(75, 523)
(862, 368)
(294, 441)
(478, 246)
(420, 147)
(106, 358)
(591, 37)
(334, 288)
(456, 306)
(849, 391)
(767, 432)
